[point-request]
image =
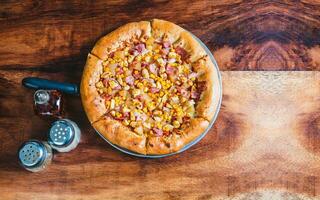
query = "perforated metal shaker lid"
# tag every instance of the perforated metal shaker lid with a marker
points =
(61, 133)
(32, 154)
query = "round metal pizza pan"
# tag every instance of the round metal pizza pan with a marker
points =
(126, 151)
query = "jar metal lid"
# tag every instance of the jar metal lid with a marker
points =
(61, 133)
(41, 96)
(32, 153)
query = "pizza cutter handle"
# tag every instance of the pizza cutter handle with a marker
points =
(40, 83)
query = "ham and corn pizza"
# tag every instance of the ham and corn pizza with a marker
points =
(149, 87)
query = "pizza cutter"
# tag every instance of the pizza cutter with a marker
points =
(69, 88)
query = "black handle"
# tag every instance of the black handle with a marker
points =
(40, 83)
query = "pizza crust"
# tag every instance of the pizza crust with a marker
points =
(115, 39)
(121, 135)
(210, 97)
(92, 102)
(178, 37)
(160, 145)
(193, 47)
(175, 142)
(169, 29)
(196, 128)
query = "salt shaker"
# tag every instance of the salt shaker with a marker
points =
(64, 135)
(35, 155)
(48, 103)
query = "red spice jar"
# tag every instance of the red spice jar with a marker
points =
(48, 103)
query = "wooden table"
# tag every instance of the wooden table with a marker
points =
(265, 143)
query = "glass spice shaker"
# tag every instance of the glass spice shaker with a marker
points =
(64, 135)
(35, 155)
(48, 103)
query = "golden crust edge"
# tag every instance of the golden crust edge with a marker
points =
(191, 45)
(120, 135)
(176, 142)
(210, 97)
(179, 37)
(116, 38)
(92, 102)
(161, 27)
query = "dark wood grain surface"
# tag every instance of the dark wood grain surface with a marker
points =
(243, 156)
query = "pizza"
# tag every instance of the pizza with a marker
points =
(150, 87)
